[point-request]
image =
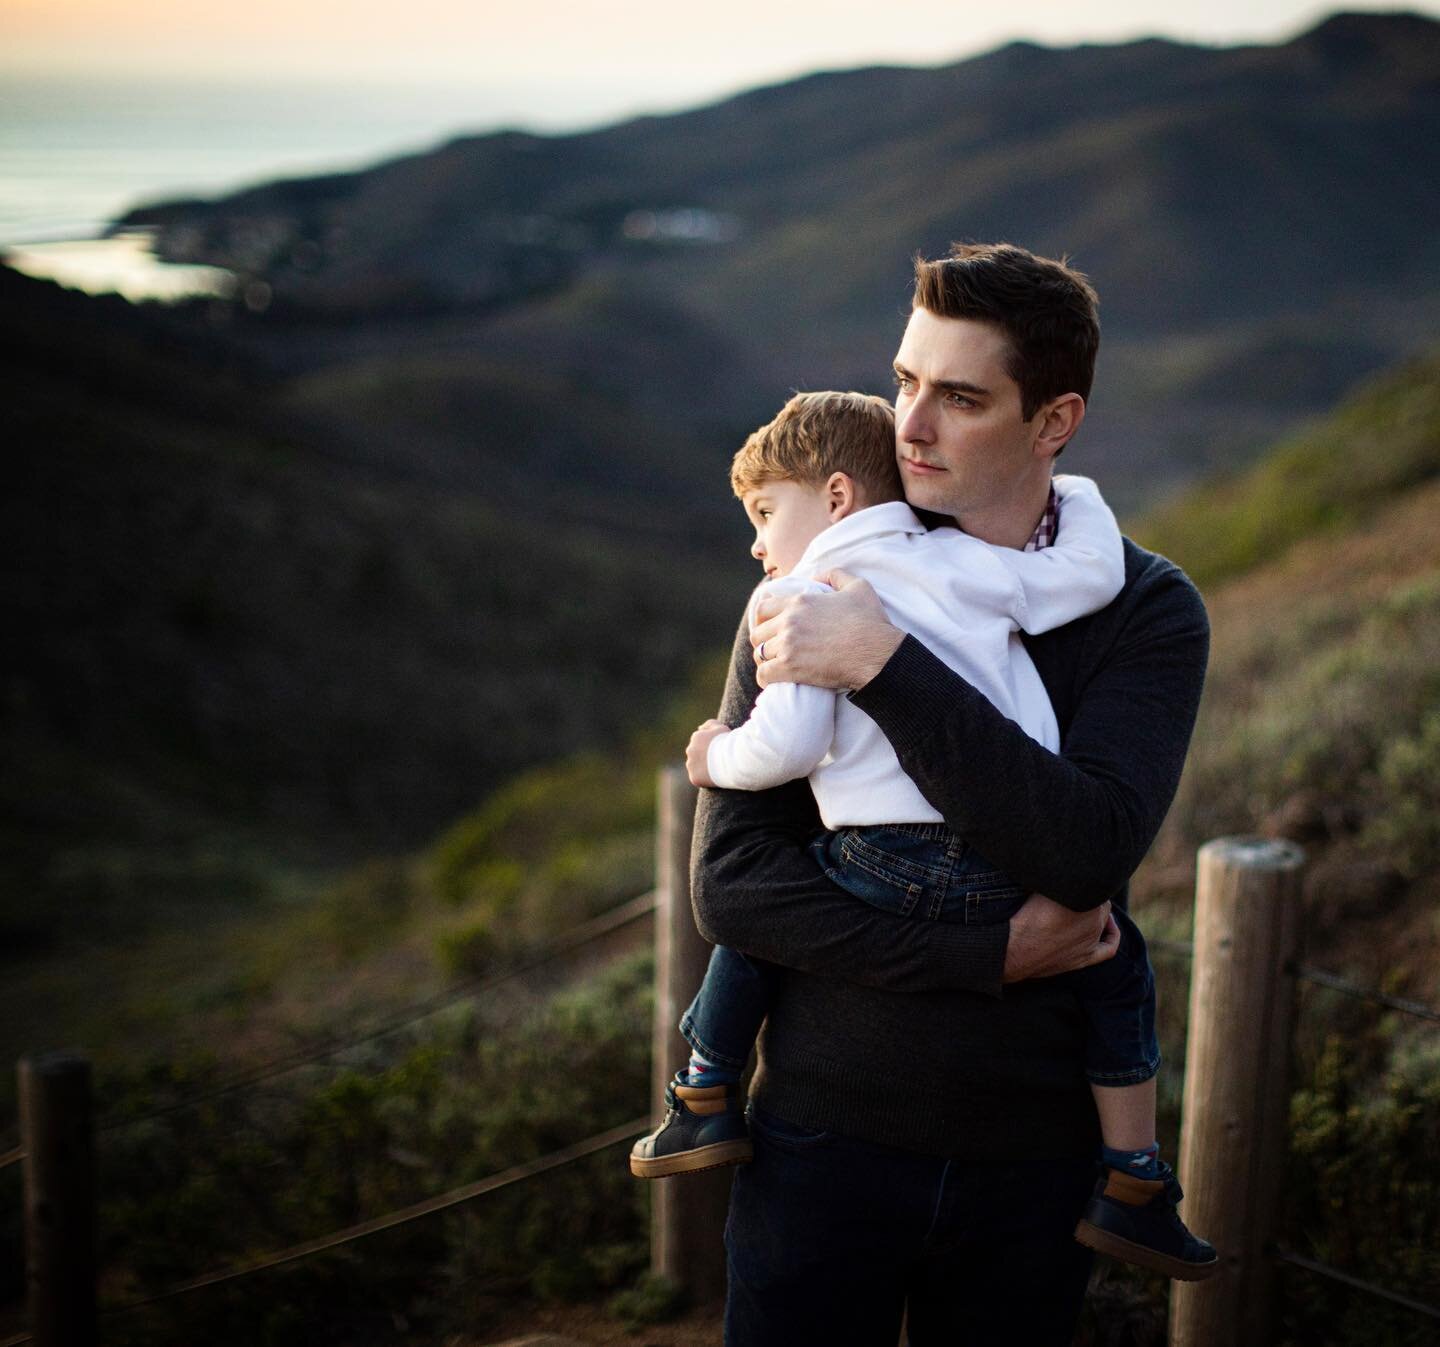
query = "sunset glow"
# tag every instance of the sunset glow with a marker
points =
(666, 49)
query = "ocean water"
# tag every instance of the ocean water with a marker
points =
(77, 153)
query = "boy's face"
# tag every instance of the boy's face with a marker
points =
(786, 515)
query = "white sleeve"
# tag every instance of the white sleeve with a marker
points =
(787, 736)
(789, 730)
(1078, 574)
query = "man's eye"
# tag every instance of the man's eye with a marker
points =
(960, 400)
(903, 383)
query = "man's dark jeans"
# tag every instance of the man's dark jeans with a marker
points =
(832, 1240)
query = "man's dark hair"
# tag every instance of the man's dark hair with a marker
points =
(1047, 310)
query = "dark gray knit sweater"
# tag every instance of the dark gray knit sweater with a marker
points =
(894, 1029)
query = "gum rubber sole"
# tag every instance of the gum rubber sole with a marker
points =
(1127, 1251)
(693, 1162)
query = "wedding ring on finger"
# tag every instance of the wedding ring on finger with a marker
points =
(760, 655)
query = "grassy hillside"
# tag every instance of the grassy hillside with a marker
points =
(1328, 478)
(1321, 722)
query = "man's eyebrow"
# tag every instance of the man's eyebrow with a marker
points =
(960, 386)
(947, 385)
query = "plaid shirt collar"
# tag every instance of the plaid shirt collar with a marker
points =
(1048, 526)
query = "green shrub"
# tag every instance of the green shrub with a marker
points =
(1339, 705)
(651, 1300)
(365, 905)
(468, 951)
(256, 1171)
(1405, 822)
(1364, 1188)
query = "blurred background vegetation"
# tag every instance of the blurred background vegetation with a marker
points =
(346, 633)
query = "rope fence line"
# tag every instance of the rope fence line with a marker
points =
(1321, 978)
(583, 934)
(568, 941)
(576, 937)
(515, 1174)
(578, 1151)
(1345, 1279)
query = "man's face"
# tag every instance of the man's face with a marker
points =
(962, 445)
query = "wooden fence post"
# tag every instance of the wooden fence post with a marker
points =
(60, 1255)
(1235, 1124)
(687, 1219)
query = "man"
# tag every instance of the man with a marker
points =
(924, 1136)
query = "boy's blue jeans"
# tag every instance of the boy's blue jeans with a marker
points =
(925, 871)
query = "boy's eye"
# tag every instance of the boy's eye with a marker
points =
(764, 514)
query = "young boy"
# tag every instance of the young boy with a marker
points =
(820, 485)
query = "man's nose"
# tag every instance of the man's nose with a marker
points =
(912, 426)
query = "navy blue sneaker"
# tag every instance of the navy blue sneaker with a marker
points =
(704, 1129)
(1135, 1221)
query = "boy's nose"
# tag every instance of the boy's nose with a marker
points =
(757, 550)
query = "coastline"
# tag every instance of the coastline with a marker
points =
(120, 263)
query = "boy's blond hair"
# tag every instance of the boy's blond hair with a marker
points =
(816, 434)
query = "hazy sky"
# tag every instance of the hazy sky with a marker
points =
(586, 58)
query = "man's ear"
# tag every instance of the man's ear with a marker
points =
(839, 496)
(1059, 420)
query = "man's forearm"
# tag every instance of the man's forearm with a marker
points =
(1072, 826)
(756, 888)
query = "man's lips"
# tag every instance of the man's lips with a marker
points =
(919, 468)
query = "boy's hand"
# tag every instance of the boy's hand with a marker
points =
(698, 749)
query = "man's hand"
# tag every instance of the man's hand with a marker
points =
(839, 640)
(1046, 939)
(698, 749)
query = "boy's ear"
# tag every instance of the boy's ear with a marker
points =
(839, 495)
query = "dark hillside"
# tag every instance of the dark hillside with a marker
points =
(1257, 219)
(443, 495)
(214, 610)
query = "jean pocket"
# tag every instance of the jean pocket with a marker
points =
(785, 1135)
